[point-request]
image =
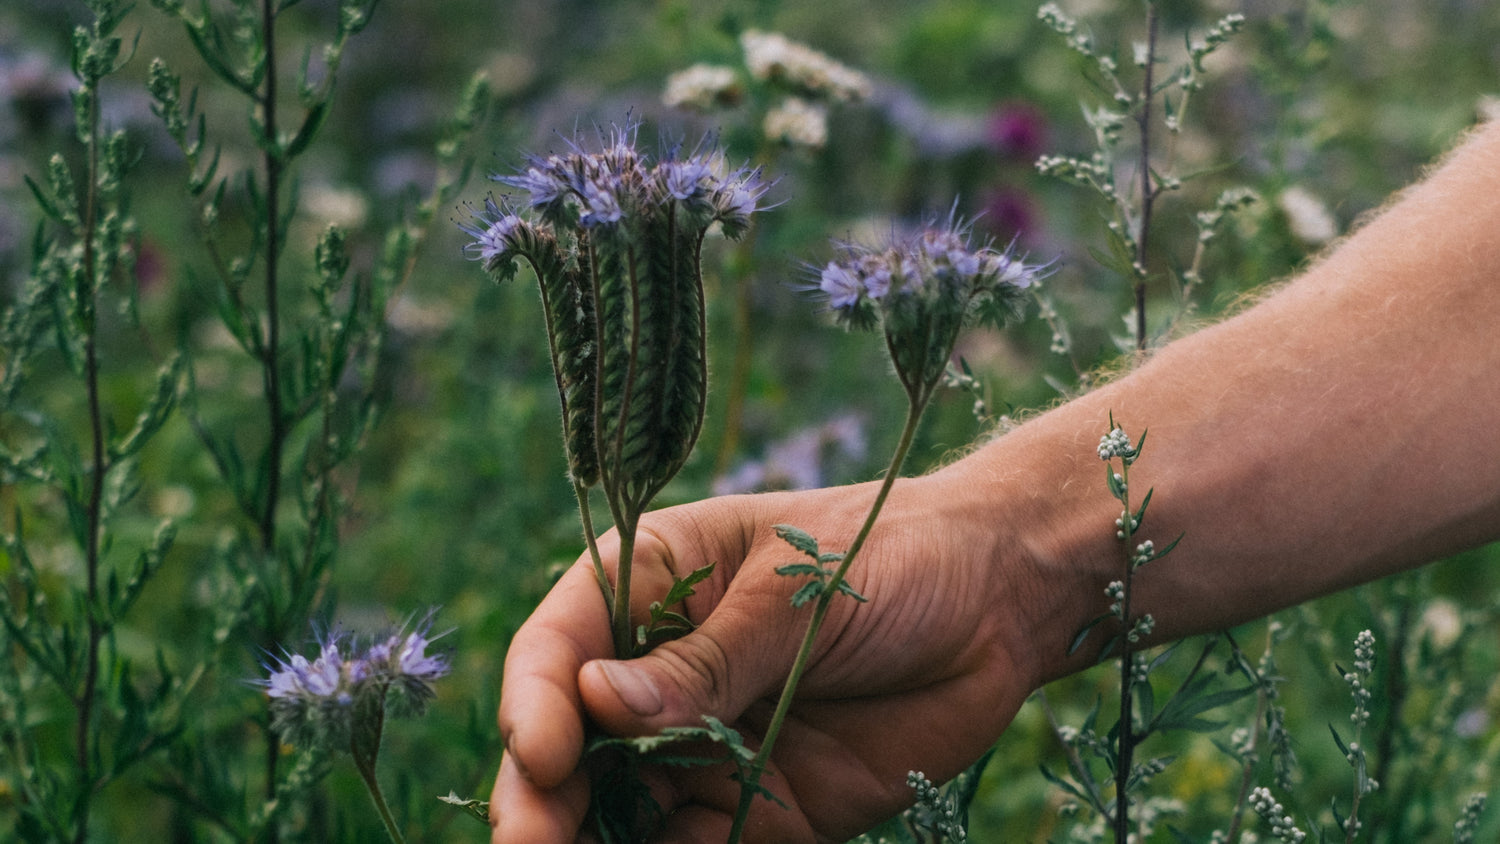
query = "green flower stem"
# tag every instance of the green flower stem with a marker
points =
(364, 747)
(372, 783)
(620, 616)
(591, 539)
(757, 767)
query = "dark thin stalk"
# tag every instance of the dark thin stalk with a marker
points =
(1148, 189)
(1125, 757)
(1247, 768)
(85, 702)
(270, 359)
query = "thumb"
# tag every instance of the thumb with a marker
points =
(719, 670)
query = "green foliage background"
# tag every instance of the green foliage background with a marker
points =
(458, 499)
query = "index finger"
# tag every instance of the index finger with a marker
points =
(541, 714)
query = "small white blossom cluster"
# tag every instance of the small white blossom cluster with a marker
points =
(1307, 216)
(1217, 35)
(703, 87)
(809, 79)
(1282, 825)
(771, 56)
(797, 122)
(1060, 22)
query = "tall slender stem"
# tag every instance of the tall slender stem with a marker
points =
(88, 283)
(1148, 189)
(820, 611)
(1125, 758)
(270, 359)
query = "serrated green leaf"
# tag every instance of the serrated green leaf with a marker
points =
(682, 589)
(807, 593)
(800, 569)
(474, 807)
(799, 539)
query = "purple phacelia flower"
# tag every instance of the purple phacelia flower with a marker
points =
(922, 288)
(492, 231)
(684, 180)
(318, 703)
(843, 285)
(601, 204)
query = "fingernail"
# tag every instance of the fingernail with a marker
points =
(637, 693)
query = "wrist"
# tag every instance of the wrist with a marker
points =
(1038, 496)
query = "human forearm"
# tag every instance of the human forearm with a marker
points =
(1331, 435)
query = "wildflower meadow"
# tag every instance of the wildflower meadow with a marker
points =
(334, 331)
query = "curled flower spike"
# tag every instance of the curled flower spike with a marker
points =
(615, 238)
(922, 288)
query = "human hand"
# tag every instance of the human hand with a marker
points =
(923, 677)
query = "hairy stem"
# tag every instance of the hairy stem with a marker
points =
(591, 539)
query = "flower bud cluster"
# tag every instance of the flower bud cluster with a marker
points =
(922, 288)
(1116, 444)
(615, 240)
(1282, 825)
(317, 703)
(1364, 664)
(1467, 825)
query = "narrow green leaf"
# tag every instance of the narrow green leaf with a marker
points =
(846, 589)
(1343, 748)
(1083, 634)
